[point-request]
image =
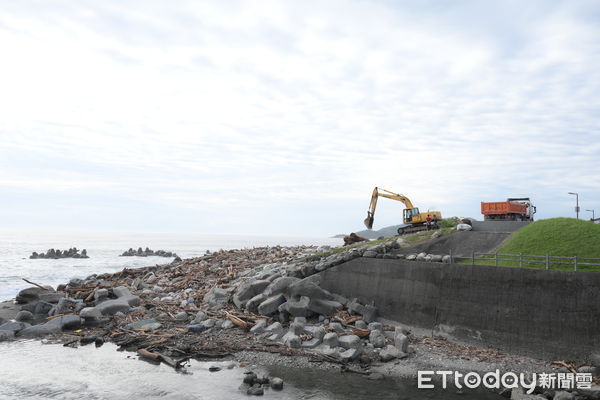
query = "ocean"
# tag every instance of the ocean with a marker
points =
(104, 250)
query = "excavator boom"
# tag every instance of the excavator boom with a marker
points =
(411, 213)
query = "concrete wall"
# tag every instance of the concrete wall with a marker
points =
(552, 314)
(498, 226)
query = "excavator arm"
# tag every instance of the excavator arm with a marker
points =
(377, 192)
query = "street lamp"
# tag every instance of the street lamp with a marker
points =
(576, 203)
(593, 216)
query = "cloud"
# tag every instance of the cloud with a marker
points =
(214, 110)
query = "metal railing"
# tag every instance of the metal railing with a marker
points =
(528, 260)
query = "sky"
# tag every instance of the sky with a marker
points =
(279, 117)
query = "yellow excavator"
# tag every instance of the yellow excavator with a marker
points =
(415, 220)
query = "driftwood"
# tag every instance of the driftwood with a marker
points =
(34, 284)
(149, 355)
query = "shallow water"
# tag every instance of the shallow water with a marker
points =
(32, 370)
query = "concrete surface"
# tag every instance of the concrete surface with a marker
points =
(462, 244)
(498, 226)
(549, 314)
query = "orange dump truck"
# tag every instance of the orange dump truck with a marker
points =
(513, 209)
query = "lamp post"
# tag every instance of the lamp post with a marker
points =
(593, 216)
(576, 203)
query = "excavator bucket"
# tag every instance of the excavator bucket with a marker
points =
(369, 221)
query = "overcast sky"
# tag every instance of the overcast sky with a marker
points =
(279, 118)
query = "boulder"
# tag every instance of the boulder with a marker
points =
(350, 354)
(400, 340)
(308, 288)
(6, 335)
(121, 291)
(324, 307)
(276, 383)
(253, 303)
(111, 307)
(297, 307)
(377, 339)
(248, 290)
(14, 326)
(270, 305)
(279, 285)
(90, 313)
(370, 254)
(216, 297)
(259, 326)
(349, 341)
(30, 294)
(317, 332)
(391, 352)
(24, 316)
(330, 339)
(100, 295)
(200, 316)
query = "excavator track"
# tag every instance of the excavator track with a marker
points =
(415, 228)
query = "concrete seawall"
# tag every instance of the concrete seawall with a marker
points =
(552, 314)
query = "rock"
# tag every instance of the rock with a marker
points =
(337, 327)
(227, 324)
(216, 297)
(411, 257)
(317, 332)
(270, 305)
(279, 285)
(65, 322)
(421, 256)
(24, 316)
(436, 234)
(256, 390)
(196, 328)
(275, 327)
(39, 330)
(377, 339)
(181, 316)
(214, 368)
(330, 339)
(375, 326)
(6, 335)
(14, 327)
(200, 316)
(370, 254)
(400, 340)
(391, 352)
(297, 307)
(248, 290)
(436, 258)
(293, 342)
(324, 307)
(375, 376)
(308, 288)
(30, 294)
(100, 295)
(259, 326)
(253, 303)
(52, 298)
(209, 323)
(132, 300)
(350, 354)
(595, 360)
(276, 383)
(349, 341)
(121, 291)
(360, 324)
(90, 313)
(111, 307)
(368, 312)
(446, 259)
(250, 378)
(146, 324)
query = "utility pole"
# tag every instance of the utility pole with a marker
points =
(593, 216)
(576, 203)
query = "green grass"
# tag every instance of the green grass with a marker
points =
(565, 237)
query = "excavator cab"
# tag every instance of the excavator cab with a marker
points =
(409, 214)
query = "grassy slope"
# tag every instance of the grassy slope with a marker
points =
(556, 237)
(566, 237)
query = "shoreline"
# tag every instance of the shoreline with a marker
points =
(195, 317)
